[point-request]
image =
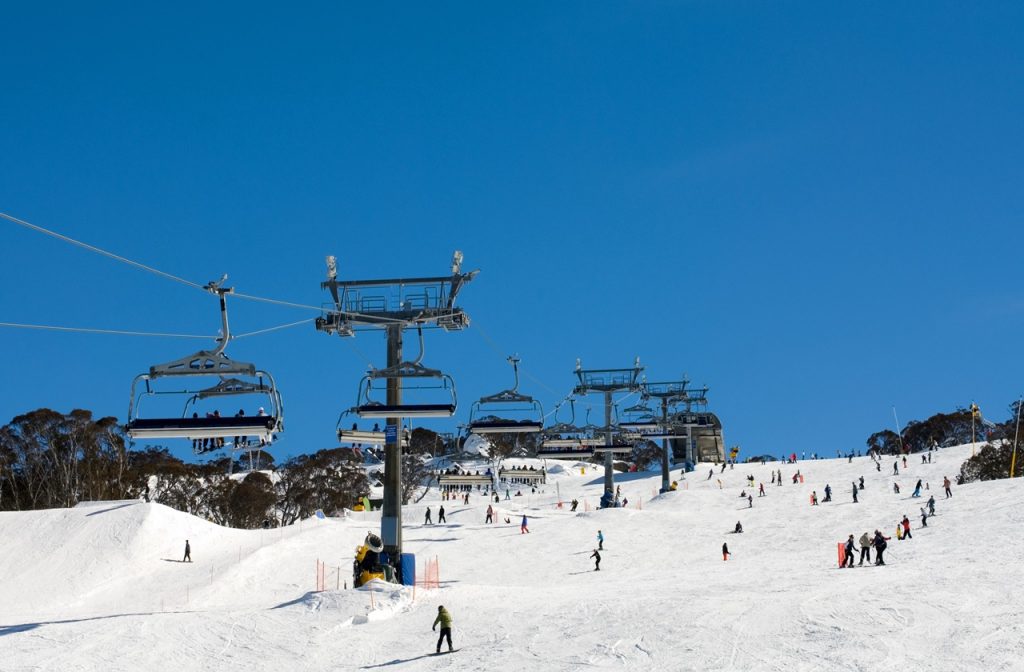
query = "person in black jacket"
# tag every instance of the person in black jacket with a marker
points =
(597, 560)
(440, 515)
(848, 559)
(188, 553)
(879, 543)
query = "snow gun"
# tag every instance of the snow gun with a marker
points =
(367, 565)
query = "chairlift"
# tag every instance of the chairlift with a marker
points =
(237, 379)
(497, 413)
(638, 420)
(417, 379)
(351, 436)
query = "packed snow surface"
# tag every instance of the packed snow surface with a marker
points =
(102, 586)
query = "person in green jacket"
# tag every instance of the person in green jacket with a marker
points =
(445, 619)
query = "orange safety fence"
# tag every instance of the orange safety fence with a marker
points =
(431, 576)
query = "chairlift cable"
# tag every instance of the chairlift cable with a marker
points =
(136, 264)
(86, 330)
(97, 250)
(504, 354)
(277, 328)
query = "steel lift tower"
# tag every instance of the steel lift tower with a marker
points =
(608, 382)
(670, 394)
(395, 305)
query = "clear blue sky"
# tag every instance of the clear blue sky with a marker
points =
(814, 210)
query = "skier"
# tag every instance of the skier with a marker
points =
(861, 482)
(750, 501)
(879, 543)
(490, 515)
(878, 465)
(945, 484)
(597, 560)
(773, 478)
(865, 549)
(739, 528)
(828, 493)
(725, 552)
(760, 492)
(896, 468)
(814, 497)
(445, 619)
(906, 527)
(931, 505)
(523, 529)
(917, 489)
(188, 553)
(440, 515)
(924, 517)
(711, 472)
(600, 541)
(507, 495)
(904, 461)
(855, 493)
(575, 503)
(426, 519)
(848, 549)
(896, 488)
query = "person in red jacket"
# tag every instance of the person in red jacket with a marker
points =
(906, 527)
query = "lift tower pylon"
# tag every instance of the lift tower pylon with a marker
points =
(608, 382)
(670, 394)
(394, 305)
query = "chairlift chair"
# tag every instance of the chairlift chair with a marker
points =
(237, 379)
(432, 380)
(351, 436)
(490, 414)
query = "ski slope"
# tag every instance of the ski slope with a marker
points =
(100, 587)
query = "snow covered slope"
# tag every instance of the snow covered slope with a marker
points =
(100, 587)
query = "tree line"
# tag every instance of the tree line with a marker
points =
(992, 461)
(54, 460)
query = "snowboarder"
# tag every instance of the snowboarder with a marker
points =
(879, 543)
(739, 528)
(445, 619)
(828, 493)
(865, 549)
(575, 503)
(426, 519)
(906, 527)
(188, 553)
(490, 515)
(861, 482)
(917, 489)
(440, 515)
(945, 484)
(523, 529)
(600, 542)
(855, 493)
(597, 560)
(848, 552)
(725, 552)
